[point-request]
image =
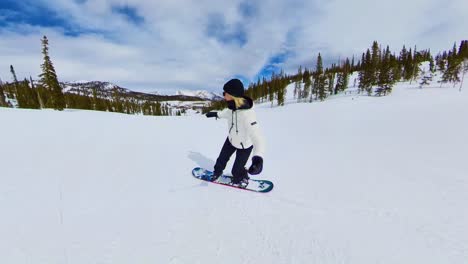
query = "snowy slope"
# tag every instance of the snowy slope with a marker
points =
(357, 180)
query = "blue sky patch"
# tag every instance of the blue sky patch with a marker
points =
(248, 9)
(15, 12)
(33, 13)
(130, 13)
(273, 65)
(218, 28)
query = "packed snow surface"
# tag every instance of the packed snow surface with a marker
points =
(358, 179)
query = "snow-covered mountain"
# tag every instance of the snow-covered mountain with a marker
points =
(191, 93)
(87, 87)
(358, 180)
(178, 101)
(201, 94)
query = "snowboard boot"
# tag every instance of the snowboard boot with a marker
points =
(241, 183)
(216, 175)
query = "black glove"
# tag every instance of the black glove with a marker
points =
(257, 165)
(212, 114)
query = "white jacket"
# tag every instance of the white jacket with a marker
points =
(244, 130)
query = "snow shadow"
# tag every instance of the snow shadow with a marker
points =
(201, 160)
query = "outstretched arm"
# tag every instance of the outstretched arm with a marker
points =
(212, 114)
(218, 114)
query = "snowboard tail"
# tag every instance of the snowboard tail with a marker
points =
(262, 186)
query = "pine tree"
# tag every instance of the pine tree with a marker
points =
(29, 95)
(157, 109)
(12, 70)
(342, 84)
(117, 105)
(49, 79)
(463, 50)
(408, 66)
(403, 56)
(361, 74)
(98, 103)
(110, 106)
(396, 68)
(432, 65)
(441, 61)
(330, 76)
(36, 90)
(23, 94)
(452, 73)
(464, 71)
(385, 81)
(15, 82)
(375, 63)
(415, 65)
(2, 97)
(339, 82)
(307, 85)
(319, 80)
(366, 74)
(463, 57)
(281, 88)
(347, 66)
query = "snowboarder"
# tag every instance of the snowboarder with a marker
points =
(244, 135)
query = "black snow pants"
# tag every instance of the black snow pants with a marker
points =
(242, 156)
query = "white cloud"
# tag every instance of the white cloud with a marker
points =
(171, 49)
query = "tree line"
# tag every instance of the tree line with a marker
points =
(47, 93)
(378, 70)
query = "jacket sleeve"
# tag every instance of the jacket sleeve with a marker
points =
(223, 113)
(256, 135)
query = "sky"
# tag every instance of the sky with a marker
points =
(169, 45)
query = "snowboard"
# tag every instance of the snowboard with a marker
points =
(262, 186)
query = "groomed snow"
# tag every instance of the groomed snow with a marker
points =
(357, 180)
